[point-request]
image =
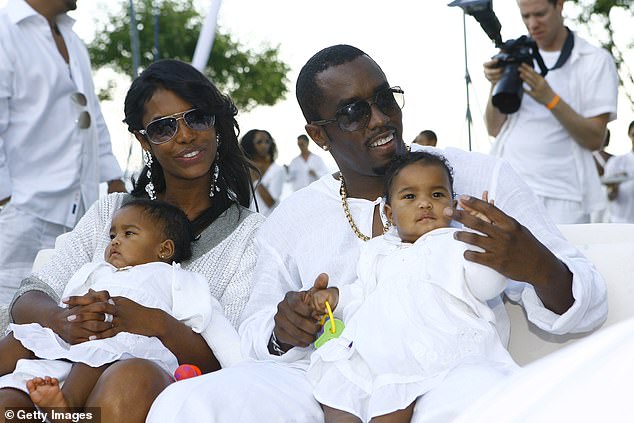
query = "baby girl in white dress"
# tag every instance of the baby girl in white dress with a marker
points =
(417, 311)
(148, 241)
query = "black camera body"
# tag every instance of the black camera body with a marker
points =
(507, 94)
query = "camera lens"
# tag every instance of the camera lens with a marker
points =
(507, 94)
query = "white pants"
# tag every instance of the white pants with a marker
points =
(565, 211)
(22, 235)
(254, 392)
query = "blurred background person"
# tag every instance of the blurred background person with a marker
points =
(563, 118)
(259, 147)
(621, 192)
(601, 156)
(426, 137)
(54, 144)
(306, 167)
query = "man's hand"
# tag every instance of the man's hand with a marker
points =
(116, 185)
(295, 322)
(613, 191)
(512, 250)
(492, 72)
(539, 88)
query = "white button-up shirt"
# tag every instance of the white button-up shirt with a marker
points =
(49, 166)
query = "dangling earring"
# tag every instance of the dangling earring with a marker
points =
(149, 188)
(216, 170)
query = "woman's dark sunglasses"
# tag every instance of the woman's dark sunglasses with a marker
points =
(356, 116)
(162, 130)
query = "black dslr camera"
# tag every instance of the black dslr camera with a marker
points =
(507, 94)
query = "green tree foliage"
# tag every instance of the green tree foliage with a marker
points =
(595, 15)
(252, 78)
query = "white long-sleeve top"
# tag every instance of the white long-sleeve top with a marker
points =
(299, 170)
(48, 164)
(309, 234)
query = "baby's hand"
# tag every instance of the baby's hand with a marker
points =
(320, 297)
(485, 197)
(317, 299)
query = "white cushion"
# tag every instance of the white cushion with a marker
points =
(43, 256)
(610, 247)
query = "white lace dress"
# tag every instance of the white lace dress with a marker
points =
(416, 312)
(224, 254)
(182, 294)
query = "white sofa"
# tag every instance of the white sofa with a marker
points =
(610, 247)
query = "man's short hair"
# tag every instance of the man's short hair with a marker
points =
(308, 94)
(429, 134)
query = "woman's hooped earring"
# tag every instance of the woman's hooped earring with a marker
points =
(216, 170)
(149, 188)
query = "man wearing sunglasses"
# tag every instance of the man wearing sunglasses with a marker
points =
(54, 144)
(313, 240)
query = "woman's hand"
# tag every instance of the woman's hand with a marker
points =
(130, 316)
(85, 317)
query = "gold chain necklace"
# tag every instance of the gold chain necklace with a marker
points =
(346, 210)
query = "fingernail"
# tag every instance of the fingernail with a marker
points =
(71, 318)
(65, 299)
(110, 301)
(92, 337)
(448, 212)
(464, 197)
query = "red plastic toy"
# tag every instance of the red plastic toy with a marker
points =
(185, 371)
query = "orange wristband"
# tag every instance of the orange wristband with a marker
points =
(554, 102)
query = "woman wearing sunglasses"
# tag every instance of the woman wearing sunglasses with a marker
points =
(259, 146)
(188, 133)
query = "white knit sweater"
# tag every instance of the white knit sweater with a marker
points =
(225, 254)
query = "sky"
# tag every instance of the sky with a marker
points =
(418, 43)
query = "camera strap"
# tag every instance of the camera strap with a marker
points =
(565, 51)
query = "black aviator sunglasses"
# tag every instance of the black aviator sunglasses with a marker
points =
(355, 116)
(162, 130)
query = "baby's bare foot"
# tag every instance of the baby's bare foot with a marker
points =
(46, 393)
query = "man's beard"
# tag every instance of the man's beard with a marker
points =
(400, 150)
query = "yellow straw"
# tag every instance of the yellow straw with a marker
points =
(332, 318)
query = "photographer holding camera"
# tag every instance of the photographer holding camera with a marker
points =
(549, 140)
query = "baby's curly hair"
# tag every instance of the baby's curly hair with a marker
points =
(171, 221)
(402, 160)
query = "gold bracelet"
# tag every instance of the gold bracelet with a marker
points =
(554, 102)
